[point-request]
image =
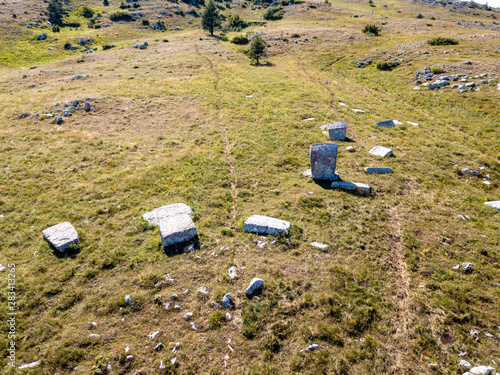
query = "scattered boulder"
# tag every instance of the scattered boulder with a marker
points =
(232, 272)
(254, 287)
(378, 170)
(23, 115)
(381, 151)
(337, 130)
(358, 110)
(61, 236)
(227, 300)
(128, 299)
(386, 124)
(485, 370)
(345, 185)
(323, 161)
(319, 245)
(265, 225)
(41, 36)
(312, 348)
(58, 120)
(493, 204)
(464, 363)
(176, 229)
(86, 107)
(155, 216)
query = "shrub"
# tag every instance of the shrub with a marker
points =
(56, 29)
(438, 70)
(273, 14)
(433, 18)
(439, 41)
(124, 6)
(295, 35)
(216, 319)
(145, 23)
(87, 12)
(67, 45)
(121, 16)
(312, 6)
(72, 24)
(235, 23)
(419, 16)
(105, 3)
(240, 39)
(386, 65)
(372, 29)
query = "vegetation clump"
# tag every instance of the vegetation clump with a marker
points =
(273, 14)
(386, 65)
(438, 70)
(121, 16)
(240, 39)
(235, 23)
(440, 41)
(372, 29)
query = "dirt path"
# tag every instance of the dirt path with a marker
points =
(227, 145)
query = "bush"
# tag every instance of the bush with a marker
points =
(121, 16)
(273, 14)
(437, 70)
(87, 12)
(106, 3)
(124, 6)
(240, 39)
(235, 23)
(295, 35)
(372, 29)
(106, 47)
(386, 65)
(145, 23)
(419, 16)
(56, 29)
(439, 41)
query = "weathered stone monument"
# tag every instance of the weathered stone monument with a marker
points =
(381, 151)
(265, 225)
(61, 236)
(337, 130)
(323, 161)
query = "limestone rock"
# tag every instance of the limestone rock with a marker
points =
(381, 151)
(386, 124)
(265, 225)
(358, 110)
(493, 204)
(337, 130)
(345, 185)
(486, 370)
(323, 161)
(227, 300)
(464, 363)
(312, 348)
(232, 272)
(255, 285)
(319, 245)
(378, 170)
(155, 216)
(61, 236)
(176, 229)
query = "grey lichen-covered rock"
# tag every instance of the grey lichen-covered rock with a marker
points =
(176, 229)
(265, 225)
(493, 204)
(255, 286)
(61, 236)
(386, 124)
(227, 300)
(378, 170)
(337, 130)
(312, 348)
(345, 185)
(486, 370)
(464, 363)
(323, 161)
(381, 151)
(155, 216)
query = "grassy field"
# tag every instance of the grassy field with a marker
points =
(190, 120)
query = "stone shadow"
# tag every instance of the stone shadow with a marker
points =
(182, 247)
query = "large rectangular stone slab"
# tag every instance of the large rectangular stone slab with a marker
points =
(381, 151)
(265, 225)
(345, 185)
(386, 124)
(176, 229)
(493, 204)
(323, 161)
(337, 130)
(160, 213)
(378, 170)
(61, 236)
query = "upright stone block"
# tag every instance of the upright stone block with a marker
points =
(155, 216)
(61, 236)
(176, 229)
(265, 225)
(337, 130)
(323, 161)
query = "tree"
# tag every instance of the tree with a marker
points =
(257, 49)
(55, 12)
(211, 18)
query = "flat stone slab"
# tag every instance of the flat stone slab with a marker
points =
(413, 123)
(381, 151)
(61, 236)
(155, 216)
(378, 170)
(358, 110)
(337, 130)
(319, 245)
(345, 185)
(493, 204)
(265, 225)
(255, 285)
(386, 124)
(323, 160)
(176, 229)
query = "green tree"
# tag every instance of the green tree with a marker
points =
(211, 18)
(257, 49)
(55, 12)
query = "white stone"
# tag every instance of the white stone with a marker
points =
(464, 363)
(255, 285)
(176, 229)
(378, 170)
(153, 335)
(323, 158)
(187, 316)
(345, 105)
(312, 348)
(232, 272)
(227, 300)
(412, 123)
(493, 204)
(155, 216)
(358, 110)
(337, 130)
(29, 365)
(350, 148)
(381, 151)
(487, 183)
(345, 185)
(61, 236)
(265, 225)
(309, 119)
(319, 245)
(485, 370)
